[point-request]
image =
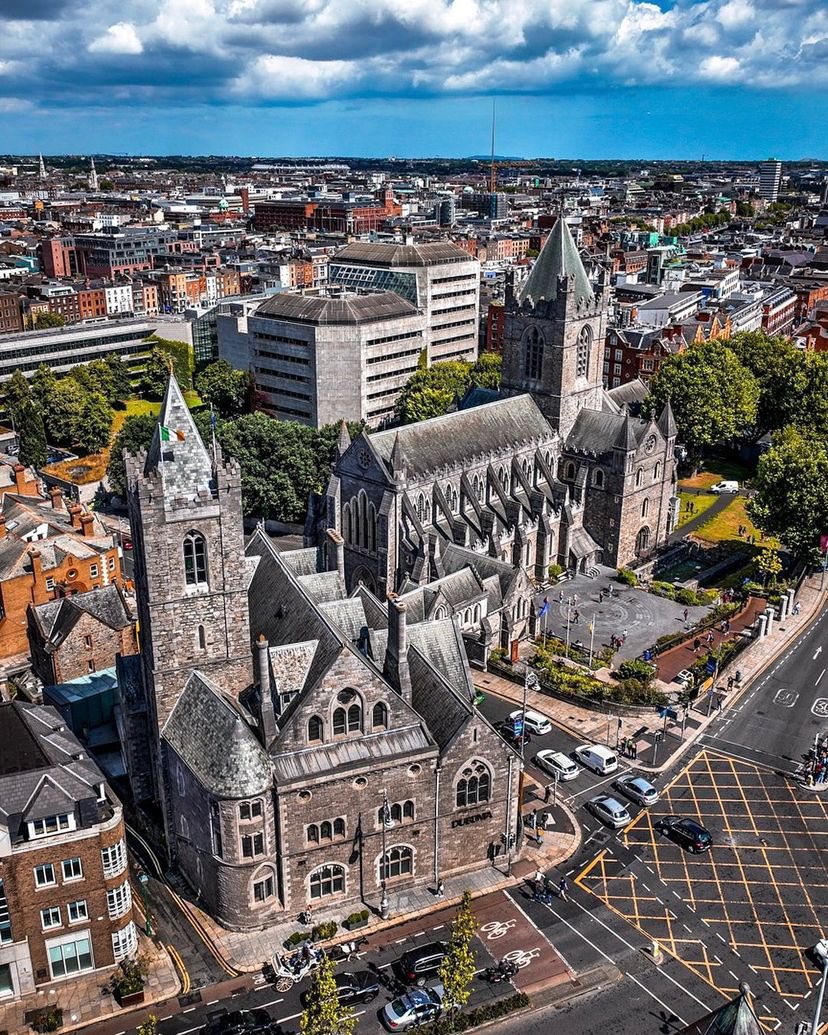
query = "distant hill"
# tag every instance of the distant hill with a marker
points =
(497, 158)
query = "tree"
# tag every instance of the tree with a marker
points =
(714, 398)
(29, 420)
(95, 424)
(487, 371)
(121, 383)
(181, 355)
(458, 966)
(792, 491)
(156, 374)
(135, 434)
(768, 564)
(324, 1014)
(64, 404)
(223, 387)
(46, 319)
(18, 392)
(773, 361)
(42, 382)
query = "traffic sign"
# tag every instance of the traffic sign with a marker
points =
(710, 666)
(668, 713)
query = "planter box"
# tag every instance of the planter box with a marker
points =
(130, 999)
(354, 925)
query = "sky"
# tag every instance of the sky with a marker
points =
(738, 79)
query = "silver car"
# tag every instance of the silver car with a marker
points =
(418, 1006)
(637, 789)
(609, 810)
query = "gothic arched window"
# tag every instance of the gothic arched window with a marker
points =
(474, 785)
(533, 367)
(582, 351)
(379, 718)
(645, 507)
(314, 728)
(195, 559)
(598, 479)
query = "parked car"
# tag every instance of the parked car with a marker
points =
(507, 731)
(685, 677)
(597, 758)
(686, 833)
(359, 987)
(609, 810)
(534, 722)
(556, 763)
(725, 486)
(126, 542)
(419, 1006)
(242, 1022)
(420, 963)
(637, 789)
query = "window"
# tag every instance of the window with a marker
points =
(379, 717)
(70, 957)
(90, 665)
(44, 875)
(50, 917)
(582, 351)
(408, 810)
(598, 479)
(533, 362)
(51, 824)
(314, 729)
(312, 834)
(339, 722)
(119, 900)
(252, 845)
(114, 859)
(327, 880)
(645, 506)
(354, 718)
(250, 809)
(195, 559)
(202, 638)
(50, 583)
(93, 571)
(616, 368)
(398, 862)
(474, 785)
(263, 889)
(125, 942)
(657, 472)
(570, 472)
(339, 827)
(77, 911)
(88, 641)
(215, 829)
(639, 478)
(619, 353)
(5, 919)
(111, 564)
(72, 869)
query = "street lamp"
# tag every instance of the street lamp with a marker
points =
(143, 880)
(387, 823)
(530, 679)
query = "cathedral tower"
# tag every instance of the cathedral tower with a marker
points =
(553, 345)
(190, 570)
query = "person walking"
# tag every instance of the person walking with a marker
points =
(576, 617)
(547, 794)
(441, 889)
(696, 645)
(686, 613)
(563, 888)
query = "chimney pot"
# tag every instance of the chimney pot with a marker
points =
(87, 521)
(395, 667)
(75, 515)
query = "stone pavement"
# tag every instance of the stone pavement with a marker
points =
(247, 951)
(86, 999)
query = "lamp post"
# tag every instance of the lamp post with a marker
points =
(385, 909)
(530, 679)
(143, 880)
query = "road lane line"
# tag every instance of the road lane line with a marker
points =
(272, 1002)
(661, 1003)
(822, 673)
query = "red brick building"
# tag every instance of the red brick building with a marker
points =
(11, 312)
(632, 353)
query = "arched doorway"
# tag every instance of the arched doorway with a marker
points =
(642, 541)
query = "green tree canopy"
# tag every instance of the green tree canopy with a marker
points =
(64, 405)
(156, 374)
(430, 392)
(324, 1014)
(714, 398)
(181, 355)
(42, 382)
(792, 491)
(121, 383)
(43, 321)
(458, 966)
(17, 392)
(95, 424)
(136, 433)
(32, 435)
(223, 387)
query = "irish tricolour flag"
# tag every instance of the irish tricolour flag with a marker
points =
(170, 435)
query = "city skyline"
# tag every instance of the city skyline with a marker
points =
(590, 79)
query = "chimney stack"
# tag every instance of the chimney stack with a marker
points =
(87, 521)
(75, 515)
(267, 728)
(395, 668)
(336, 553)
(20, 479)
(56, 496)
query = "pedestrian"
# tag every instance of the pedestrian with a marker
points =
(718, 702)
(710, 636)
(576, 618)
(547, 794)
(623, 745)
(727, 626)
(441, 889)
(600, 596)
(686, 613)
(563, 887)
(624, 635)
(730, 682)
(634, 749)
(560, 597)
(696, 645)
(539, 878)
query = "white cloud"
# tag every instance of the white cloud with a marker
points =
(121, 38)
(720, 68)
(276, 77)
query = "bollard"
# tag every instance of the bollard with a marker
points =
(763, 626)
(656, 953)
(783, 608)
(771, 615)
(790, 595)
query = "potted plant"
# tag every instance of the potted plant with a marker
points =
(327, 929)
(127, 983)
(357, 920)
(50, 1018)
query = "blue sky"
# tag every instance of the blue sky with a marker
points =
(587, 78)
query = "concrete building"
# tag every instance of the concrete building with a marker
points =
(440, 279)
(670, 308)
(65, 897)
(770, 179)
(319, 358)
(65, 347)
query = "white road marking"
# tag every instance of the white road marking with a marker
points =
(272, 1002)
(822, 673)
(652, 995)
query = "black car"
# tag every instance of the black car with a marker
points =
(507, 731)
(361, 987)
(686, 833)
(417, 965)
(241, 1022)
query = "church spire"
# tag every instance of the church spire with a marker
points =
(667, 422)
(343, 440)
(41, 172)
(93, 175)
(558, 258)
(177, 454)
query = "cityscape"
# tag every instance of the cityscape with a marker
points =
(413, 518)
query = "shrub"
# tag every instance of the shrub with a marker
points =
(633, 668)
(48, 1019)
(480, 1015)
(297, 938)
(497, 654)
(358, 918)
(327, 929)
(130, 976)
(627, 577)
(555, 571)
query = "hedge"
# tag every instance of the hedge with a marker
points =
(682, 595)
(479, 1015)
(627, 577)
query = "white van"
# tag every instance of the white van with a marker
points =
(597, 758)
(535, 722)
(726, 486)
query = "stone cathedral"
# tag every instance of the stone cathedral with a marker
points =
(551, 469)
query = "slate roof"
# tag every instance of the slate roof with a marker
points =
(734, 1018)
(57, 618)
(345, 309)
(559, 257)
(209, 733)
(596, 432)
(323, 586)
(426, 254)
(451, 440)
(634, 392)
(290, 664)
(26, 516)
(182, 463)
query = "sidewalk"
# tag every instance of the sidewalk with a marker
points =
(610, 729)
(246, 951)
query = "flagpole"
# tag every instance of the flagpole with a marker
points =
(591, 641)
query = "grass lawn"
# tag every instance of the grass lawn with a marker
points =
(715, 470)
(133, 408)
(82, 471)
(724, 526)
(701, 502)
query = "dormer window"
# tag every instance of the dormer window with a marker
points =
(51, 824)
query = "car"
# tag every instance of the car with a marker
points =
(597, 758)
(725, 486)
(684, 677)
(416, 1007)
(237, 1022)
(637, 789)
(507, 731)
(420, 963)
(359, 987)
(479, 697)
(557, 764)
(609, 810)
(686, 833)
(533, 721)
(126, 543)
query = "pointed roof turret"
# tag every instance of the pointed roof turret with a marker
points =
(343, 441)
(626, 439)
(176, 452)
(397, 458)
(667, 422)
(734, 1018)
(558, 258)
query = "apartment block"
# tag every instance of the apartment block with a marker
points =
(62, 348)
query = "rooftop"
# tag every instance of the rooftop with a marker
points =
(342, 309)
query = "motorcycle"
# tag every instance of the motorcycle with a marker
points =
(505, 970)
